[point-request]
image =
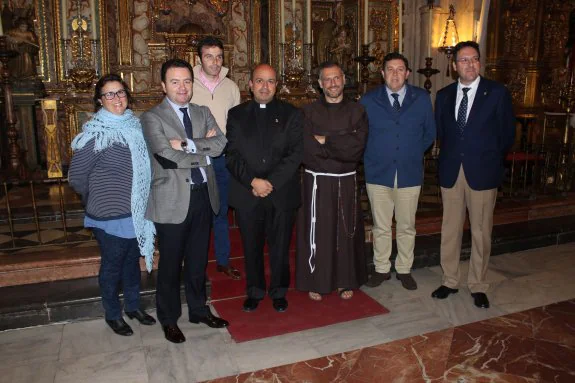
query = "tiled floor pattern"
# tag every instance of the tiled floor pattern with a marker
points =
(536, 345)
(524, 337)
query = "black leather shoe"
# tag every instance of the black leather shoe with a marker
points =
(211, 320)
(443, 292)
(377, 279)
(480, 300)
(120, 327)
(174, 334)
(280, 304)
(141, 316)
(251, 304)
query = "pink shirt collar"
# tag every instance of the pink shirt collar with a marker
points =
(211, 85)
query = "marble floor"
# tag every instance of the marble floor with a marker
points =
(523, 347)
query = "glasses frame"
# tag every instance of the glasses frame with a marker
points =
(468, 60)
(122, 93)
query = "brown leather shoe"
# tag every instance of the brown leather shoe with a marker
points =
(230, 271)
(377, 279)
(407, 281)
(174, 334)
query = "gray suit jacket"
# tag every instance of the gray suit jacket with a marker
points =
(170, 191)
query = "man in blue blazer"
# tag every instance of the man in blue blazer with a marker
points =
(401, 128)
(476, 128)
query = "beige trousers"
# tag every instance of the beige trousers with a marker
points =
(384, 201)
(480, 204)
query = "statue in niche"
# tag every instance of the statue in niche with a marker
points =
(23, 40)
(341, 49)
(324, 37)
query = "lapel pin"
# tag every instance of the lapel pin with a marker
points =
(277, 121)
(485, 93)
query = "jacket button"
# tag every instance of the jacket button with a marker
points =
(187, 180)
(462, 155)
(264, 160)
(397, 148)
(394, 161)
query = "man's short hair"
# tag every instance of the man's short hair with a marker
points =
(327, 65)
(465, 44)
(395, 56)
(209, 41)
(175, 63)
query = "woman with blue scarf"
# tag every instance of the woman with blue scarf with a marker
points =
(111, 170)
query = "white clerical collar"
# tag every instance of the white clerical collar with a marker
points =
(262, 106)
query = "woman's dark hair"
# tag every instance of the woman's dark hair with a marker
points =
(110, 77)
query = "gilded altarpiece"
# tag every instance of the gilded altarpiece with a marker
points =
(383, 34)
(526, 51)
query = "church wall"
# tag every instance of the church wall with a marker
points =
(524, 47)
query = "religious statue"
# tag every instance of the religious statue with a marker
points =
(341, 50)
(324, 35)
(21, 39)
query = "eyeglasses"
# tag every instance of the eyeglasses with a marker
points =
(468, 60)
(110, 95)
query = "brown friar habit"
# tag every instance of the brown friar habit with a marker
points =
(338, 260)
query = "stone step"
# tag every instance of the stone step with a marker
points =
(78, 299)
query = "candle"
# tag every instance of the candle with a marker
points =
(93, 15)
(399, 11)
(64, 19)
(293, 13)
(1, 30)
(282, 22)
(366, 22)
(430, 32)
(308, 22)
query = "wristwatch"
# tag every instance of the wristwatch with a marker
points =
(184, 145)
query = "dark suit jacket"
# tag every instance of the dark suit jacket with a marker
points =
(170, 190)
(488, 135)
(274, 155)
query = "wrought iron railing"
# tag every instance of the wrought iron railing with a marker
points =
(47, 212)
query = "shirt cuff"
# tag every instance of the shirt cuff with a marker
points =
(191, 146)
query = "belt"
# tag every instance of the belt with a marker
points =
(202, 186)
(312, 245)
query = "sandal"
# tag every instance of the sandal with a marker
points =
(315, 296)
(345, 294)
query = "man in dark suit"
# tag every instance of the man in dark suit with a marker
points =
(476, 128)
(265, 149)
(184, 192)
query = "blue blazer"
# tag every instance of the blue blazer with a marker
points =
(487, 136)
(396, 142)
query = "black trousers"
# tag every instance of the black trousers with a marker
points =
(265, 221)
(185, 242)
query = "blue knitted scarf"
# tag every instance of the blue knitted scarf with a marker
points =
(108, 129)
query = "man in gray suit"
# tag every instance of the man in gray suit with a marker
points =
(181, 137)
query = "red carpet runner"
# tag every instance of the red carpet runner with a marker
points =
(228, 296)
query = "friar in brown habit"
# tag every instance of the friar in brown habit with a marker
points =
(330, 233)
